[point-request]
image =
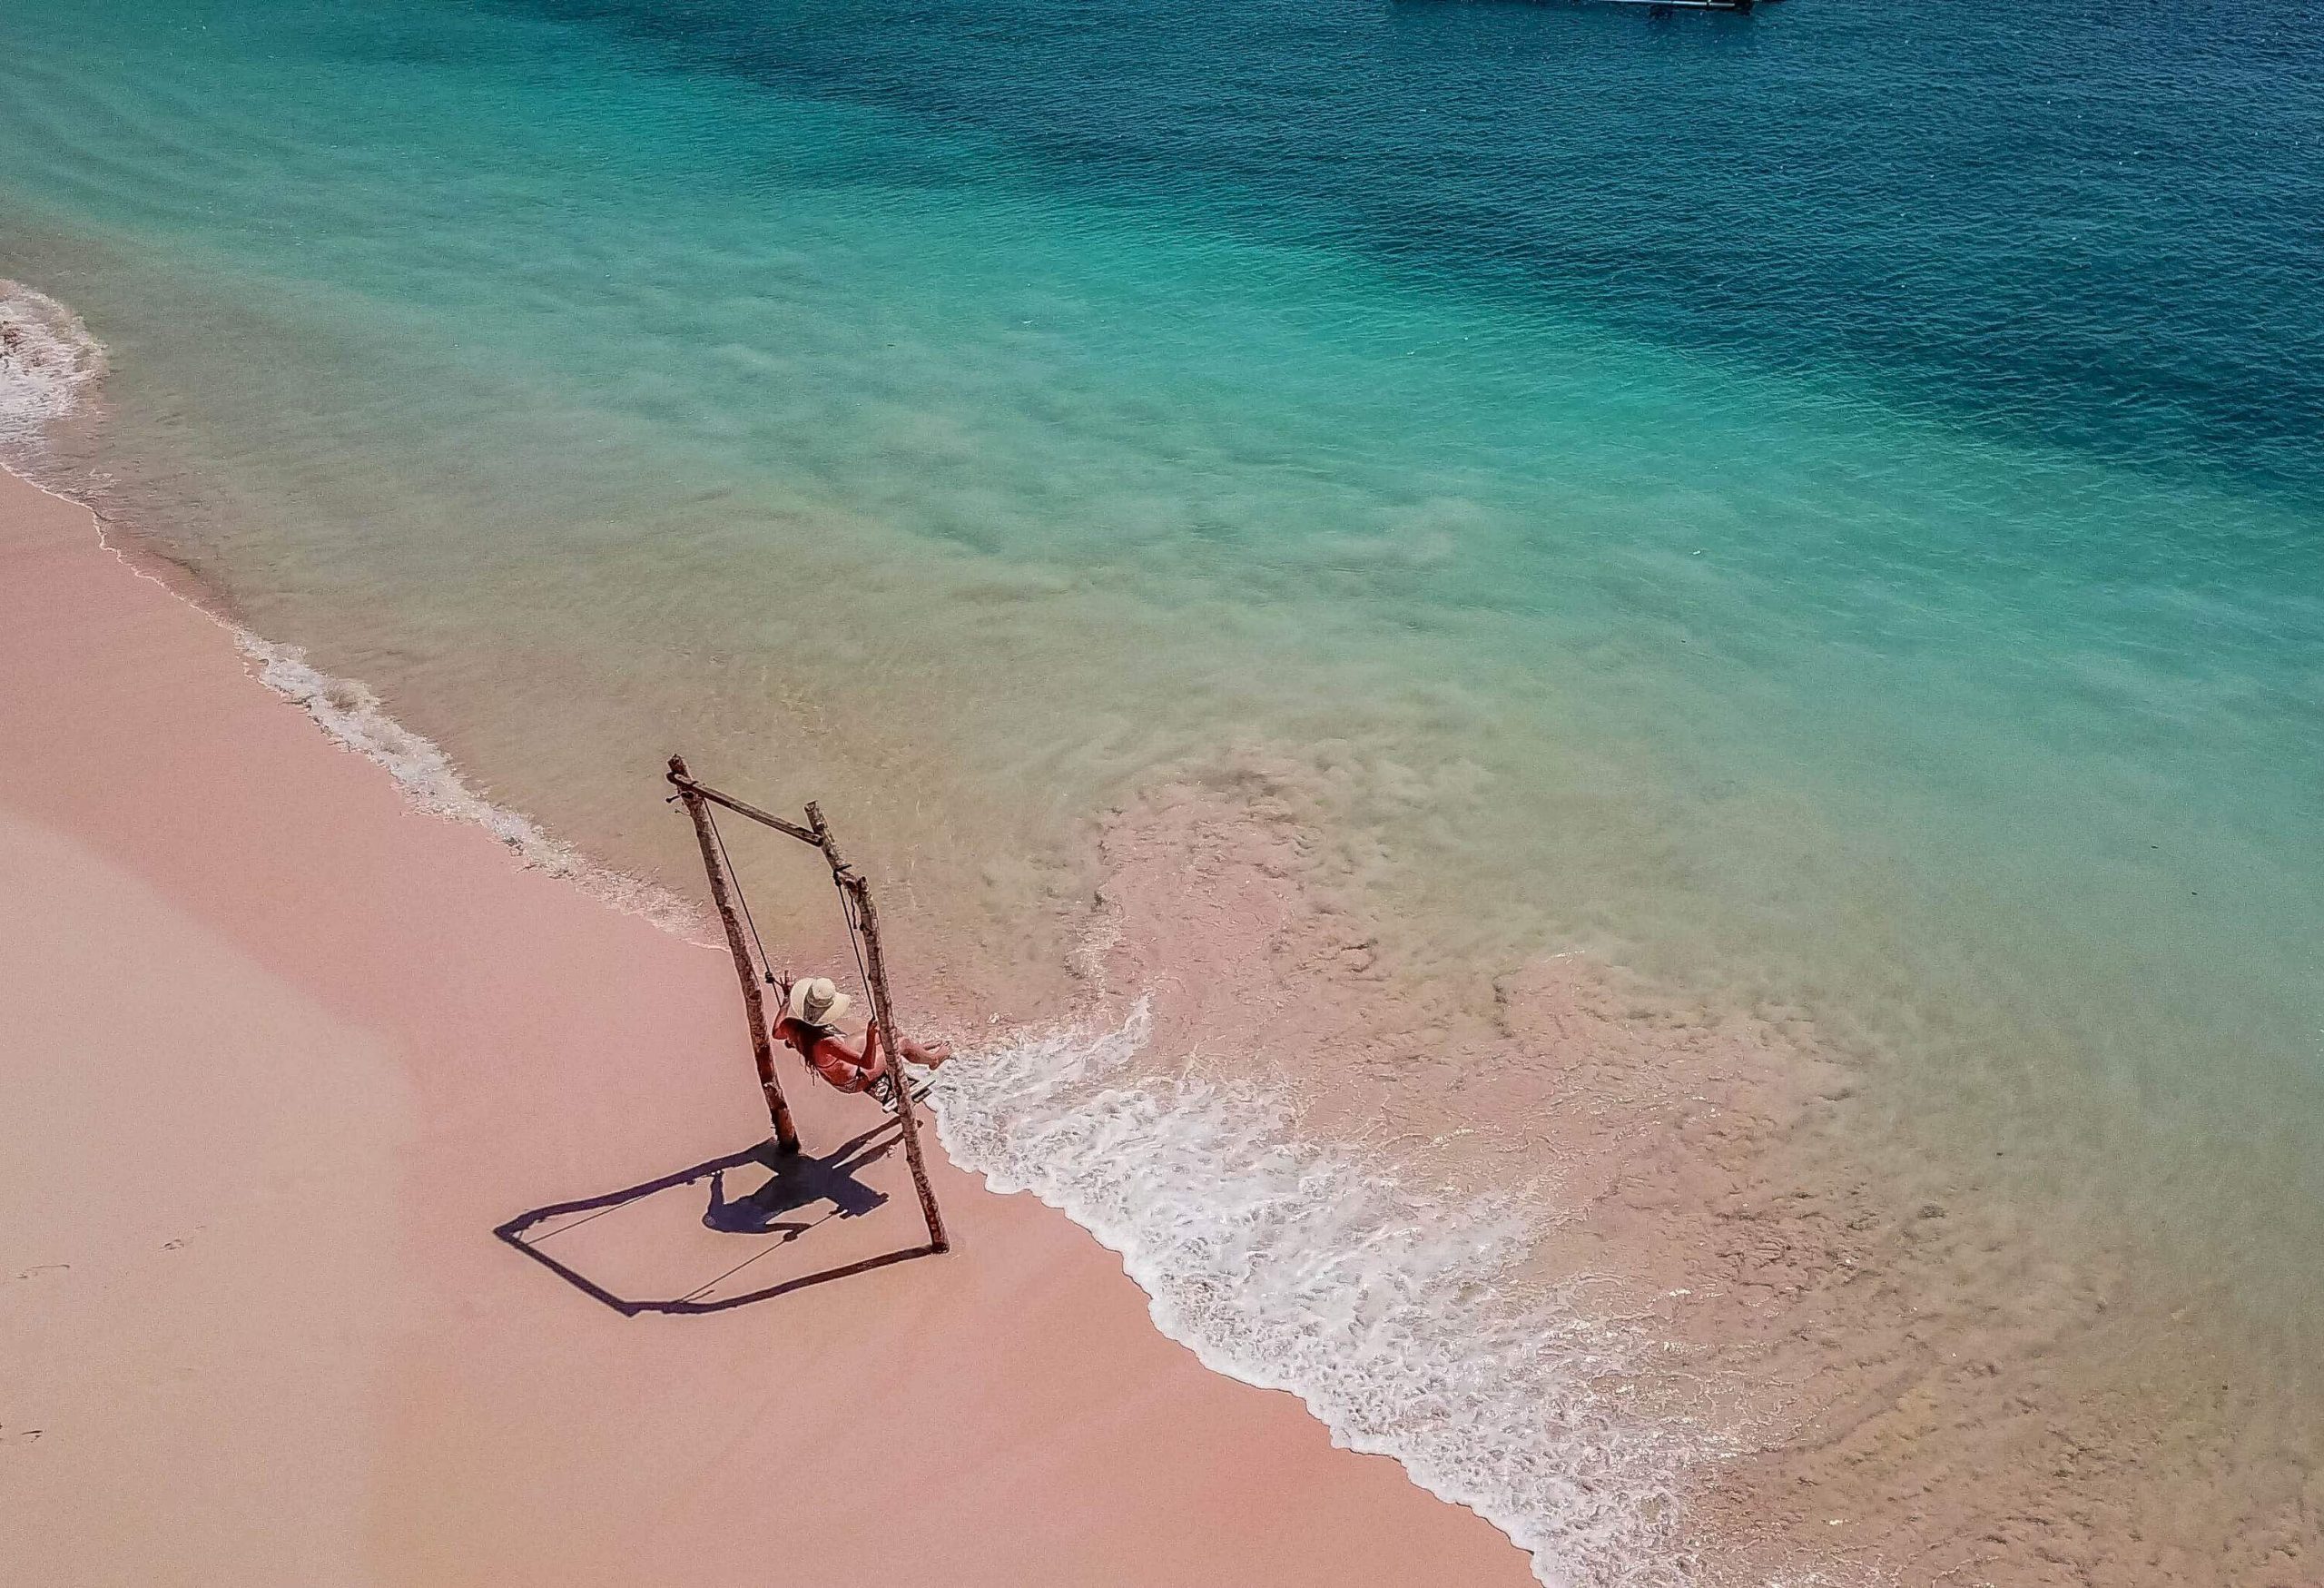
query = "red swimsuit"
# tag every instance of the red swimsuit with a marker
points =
(830, 1057)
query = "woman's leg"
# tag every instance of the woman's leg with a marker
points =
(928, 1055)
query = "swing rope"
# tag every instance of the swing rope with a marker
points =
(847, 908)
(766, 965)
(855, 936)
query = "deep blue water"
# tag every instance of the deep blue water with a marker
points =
(2095, 223)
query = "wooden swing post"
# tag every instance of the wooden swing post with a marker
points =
(857, 893)
(778, 1112)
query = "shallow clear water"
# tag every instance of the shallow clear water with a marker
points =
(1827, 505)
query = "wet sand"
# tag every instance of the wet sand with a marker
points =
(1813, 1354)
(289, 1074)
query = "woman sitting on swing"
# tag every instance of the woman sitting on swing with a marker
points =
(811, 1010)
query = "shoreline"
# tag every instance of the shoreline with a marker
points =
(349, 715)
(1704, 1196)
(449, 1040)
(1705, 1209)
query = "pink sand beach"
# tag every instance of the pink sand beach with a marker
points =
(322, 1128)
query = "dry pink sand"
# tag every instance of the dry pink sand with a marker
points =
(278, 1055)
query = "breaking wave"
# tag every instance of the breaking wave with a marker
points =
(48, 362)
(353, 717)
(1387, 1309)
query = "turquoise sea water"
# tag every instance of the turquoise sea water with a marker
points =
(1827, 505)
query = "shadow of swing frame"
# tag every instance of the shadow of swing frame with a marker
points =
(799, 1173)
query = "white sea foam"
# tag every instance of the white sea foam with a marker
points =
(48, 364)
(351, 714)
(1385, 1308)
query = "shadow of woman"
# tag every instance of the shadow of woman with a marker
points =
(798, 1182)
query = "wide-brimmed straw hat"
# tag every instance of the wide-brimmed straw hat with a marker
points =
(816, 1002)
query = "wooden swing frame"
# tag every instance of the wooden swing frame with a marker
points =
(855, 900)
